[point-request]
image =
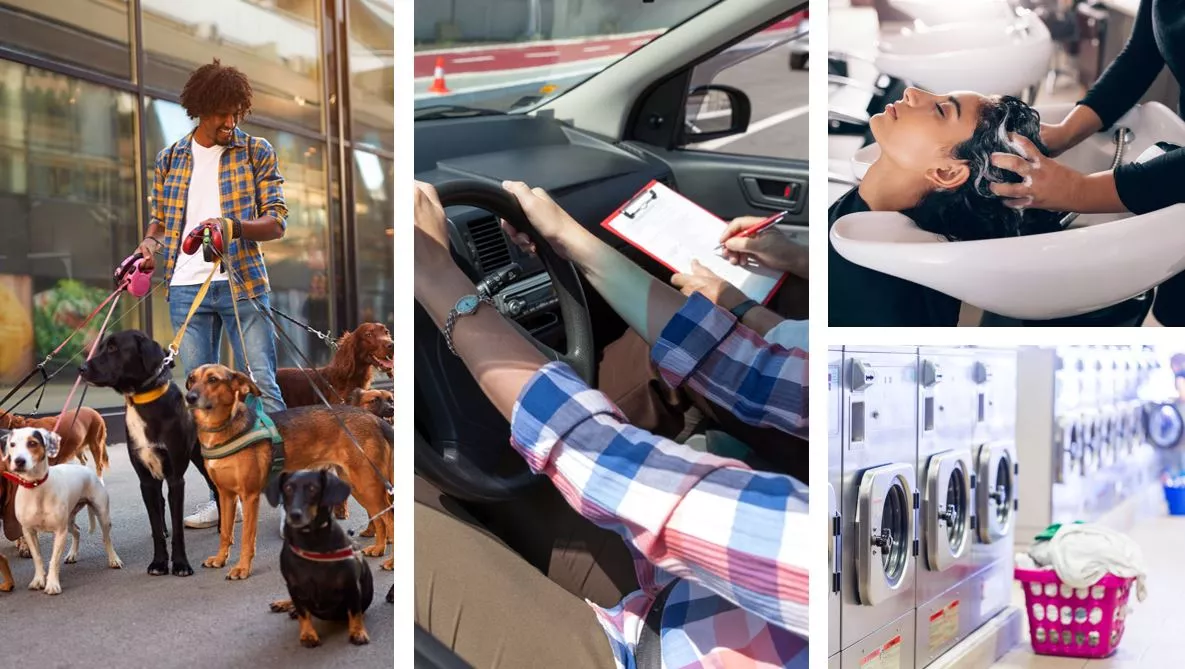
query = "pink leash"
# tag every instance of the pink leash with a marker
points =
(126, 282)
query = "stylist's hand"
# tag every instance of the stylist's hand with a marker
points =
(772, 249)
(550, 220)
(707, 283)
(1047, 183)
(1056, 137)
(431, 234)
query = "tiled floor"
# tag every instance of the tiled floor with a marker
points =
(1155, 635)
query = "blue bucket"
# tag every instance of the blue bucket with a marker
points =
(1174, 494)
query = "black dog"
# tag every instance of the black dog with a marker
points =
(161, 434)
(326, 576)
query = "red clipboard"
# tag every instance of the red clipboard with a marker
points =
(639, 201)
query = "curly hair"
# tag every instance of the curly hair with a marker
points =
(972, 211)
(215, 88)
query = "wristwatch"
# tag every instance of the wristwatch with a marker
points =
(743, 308)
(466, 306)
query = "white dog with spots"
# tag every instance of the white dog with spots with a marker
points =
(48, 499)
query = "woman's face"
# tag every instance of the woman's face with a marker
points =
(919, 131)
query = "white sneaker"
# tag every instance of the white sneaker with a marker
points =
(207, 516)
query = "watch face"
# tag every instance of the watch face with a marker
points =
(467, 305)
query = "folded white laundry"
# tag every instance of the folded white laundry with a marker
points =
(1083, 554)
(1025, 561)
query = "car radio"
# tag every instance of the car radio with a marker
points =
(527, 297)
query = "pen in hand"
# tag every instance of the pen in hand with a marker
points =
(756, 230)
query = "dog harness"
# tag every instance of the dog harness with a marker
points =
(23, 482)
(260, 426)
(347, 553)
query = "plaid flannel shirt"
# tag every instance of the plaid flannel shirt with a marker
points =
(733, 535)
(249, 189)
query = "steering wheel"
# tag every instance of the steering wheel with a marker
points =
(465, 454)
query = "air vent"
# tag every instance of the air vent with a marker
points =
(488, 245)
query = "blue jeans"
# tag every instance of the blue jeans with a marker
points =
(203, 337)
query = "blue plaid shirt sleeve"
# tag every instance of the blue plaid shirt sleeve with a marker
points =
(707, 519)
(269, 183)
(156, 213)
(763, 384)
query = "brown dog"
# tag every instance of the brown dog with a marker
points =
(358, 352)
(86, 433)
(313, 438)
(382, 404)
(378, 402)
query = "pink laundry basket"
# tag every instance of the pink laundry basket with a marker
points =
(1069, 622)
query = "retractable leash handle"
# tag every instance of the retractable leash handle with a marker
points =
(132, 277)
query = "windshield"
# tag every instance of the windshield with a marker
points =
(503, 55)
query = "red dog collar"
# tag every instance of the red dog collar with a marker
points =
(23, 483)
(335, 556)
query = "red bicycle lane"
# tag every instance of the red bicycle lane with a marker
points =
(501, 58)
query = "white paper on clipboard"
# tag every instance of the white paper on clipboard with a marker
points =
(674, 231)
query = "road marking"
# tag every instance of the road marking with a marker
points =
(594, 49)
(543, 54)
(763, 124)
(472, 59)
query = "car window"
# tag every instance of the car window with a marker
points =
(770, 68)
(513, 55)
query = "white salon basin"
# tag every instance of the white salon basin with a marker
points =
(939, 12)
(1098, 262)
(990, 56)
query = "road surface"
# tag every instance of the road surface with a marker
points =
(128, 619)
(778, 127)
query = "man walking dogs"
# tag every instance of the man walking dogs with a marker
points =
(221, 180)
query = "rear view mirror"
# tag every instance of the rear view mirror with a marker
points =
(714, 111)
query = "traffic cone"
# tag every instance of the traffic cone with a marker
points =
(438, 86)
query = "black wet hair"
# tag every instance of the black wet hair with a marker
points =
(972, 211)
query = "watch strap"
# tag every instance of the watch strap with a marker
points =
(743, 308)
(453, 316)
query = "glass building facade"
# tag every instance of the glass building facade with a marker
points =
(88, 96)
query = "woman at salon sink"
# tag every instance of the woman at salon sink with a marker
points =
(935, 167)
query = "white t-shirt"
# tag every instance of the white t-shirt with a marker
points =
(203, 203)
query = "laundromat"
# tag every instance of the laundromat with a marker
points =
(1004, 507)
(980, 150)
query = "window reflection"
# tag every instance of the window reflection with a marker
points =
(91, 33)
(372, 74)
(374, 215)
(297, 264)
(276, 44)
(67, 202)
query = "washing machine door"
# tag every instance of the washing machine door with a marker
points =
(884, 532)
(1163, 424)
(1066, 447)
(996, 490)
(946, 508)
(833, 571)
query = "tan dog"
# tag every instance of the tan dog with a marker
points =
(382, 404)
(81, 430)
(313, 438)
(352, 368)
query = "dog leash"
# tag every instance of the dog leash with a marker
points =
(94, 347)
(390, 489)
(325, 337)
(40, 367)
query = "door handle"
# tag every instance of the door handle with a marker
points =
(774, 192)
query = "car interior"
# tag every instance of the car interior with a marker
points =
(592, 148)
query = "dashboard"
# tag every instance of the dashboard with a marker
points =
(589, 176)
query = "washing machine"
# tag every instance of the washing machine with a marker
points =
(947, 418)
(835, 422)
(995, 483)
(879, 498)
